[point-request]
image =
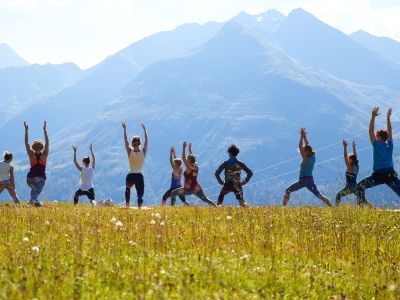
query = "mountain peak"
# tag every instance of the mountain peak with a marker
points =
(271, 14)
(8, 57)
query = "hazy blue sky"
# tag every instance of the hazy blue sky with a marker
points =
(86, 31)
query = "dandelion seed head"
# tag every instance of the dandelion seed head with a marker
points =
(36, 249)
(152, 222)
(25, 239)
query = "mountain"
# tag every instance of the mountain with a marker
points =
(323, 47)
(254, 95)
(20, 87)
(386, 47)
(103, 82)
(266, 23)
(8, 58)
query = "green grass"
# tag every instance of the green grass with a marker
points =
(197, 253)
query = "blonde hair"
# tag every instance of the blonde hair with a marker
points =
(37, 145)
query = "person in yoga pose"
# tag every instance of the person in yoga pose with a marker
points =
(191, 185)
(176, 165)
(352, 170)
(7, 177)
(383, 168)
(233, 183)
(86, 181)
(306, 179)
(136, 157)
(38, 154)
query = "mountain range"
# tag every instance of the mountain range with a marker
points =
(253, 81)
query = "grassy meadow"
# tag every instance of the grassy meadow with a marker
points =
(66, 252)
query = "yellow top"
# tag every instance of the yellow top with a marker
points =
(136, 162)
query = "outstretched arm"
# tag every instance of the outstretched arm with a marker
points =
(75, 161)
(145, 139)
(389, 125)
(345, 155)
(375, 113)
(355, 148)
(46, 138)
(190, 148)
(127, 147)
(93, 157)
(27, 146)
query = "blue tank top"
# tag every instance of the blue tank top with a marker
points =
(176, 181)
(307, 167)
(383, 156)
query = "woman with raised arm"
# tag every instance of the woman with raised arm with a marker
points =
(352, 170)
(136, 156)
(191, 185)
(38, 154)
(86, 181)
(176, 165)
(384, 173)
(7, 177)
(306, 179)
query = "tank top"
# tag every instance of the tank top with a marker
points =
(307, 167)
(86, 181)
(4, 171)
(136, 162)
(176, 180)
(191, 178)
(38, 168)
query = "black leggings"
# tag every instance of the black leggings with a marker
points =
(137, 180)
(89, 193)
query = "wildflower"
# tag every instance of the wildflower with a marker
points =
(229, 217)
(47, 223)
(119, 224)
(35, 249)
(132, 243)
(245, 257)
(25, 239)
(152, 222)
(157, 215)
(113, 220)
(162, 223)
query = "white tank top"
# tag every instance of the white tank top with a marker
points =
(4, 171)
(136, 162)
(86, 182)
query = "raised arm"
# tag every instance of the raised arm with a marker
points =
(389, 125)
(301, 144)
(184, 158)
(27, 146)
(145, 139)
(345, 155)
(46, 139)
(127, 147)
(190, 148)
(355, 148)
(218, 173)
(172, 156)
(375, 113)
(75, 161)
(93, 157)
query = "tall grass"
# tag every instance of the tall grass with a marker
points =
(63, 252)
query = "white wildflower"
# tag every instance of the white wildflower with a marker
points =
(47, 223)
(229, 217)
(119, 224)
(157, 215)
(25, 239)
(132, 243)
(35, 249)
(245, 257)
(113, 220)
(152, 222)
(162, 223)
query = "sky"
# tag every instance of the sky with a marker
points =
(87, 31)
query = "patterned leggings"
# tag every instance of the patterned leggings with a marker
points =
(7, 185)
(198, 191)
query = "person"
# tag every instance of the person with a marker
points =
(38, 154)
(191, 185)
(233, 183)
(7, 177)
(383, 168)
(306, 179)
(86, 181)
(176, 165)
(136, 157)
(352, 170)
